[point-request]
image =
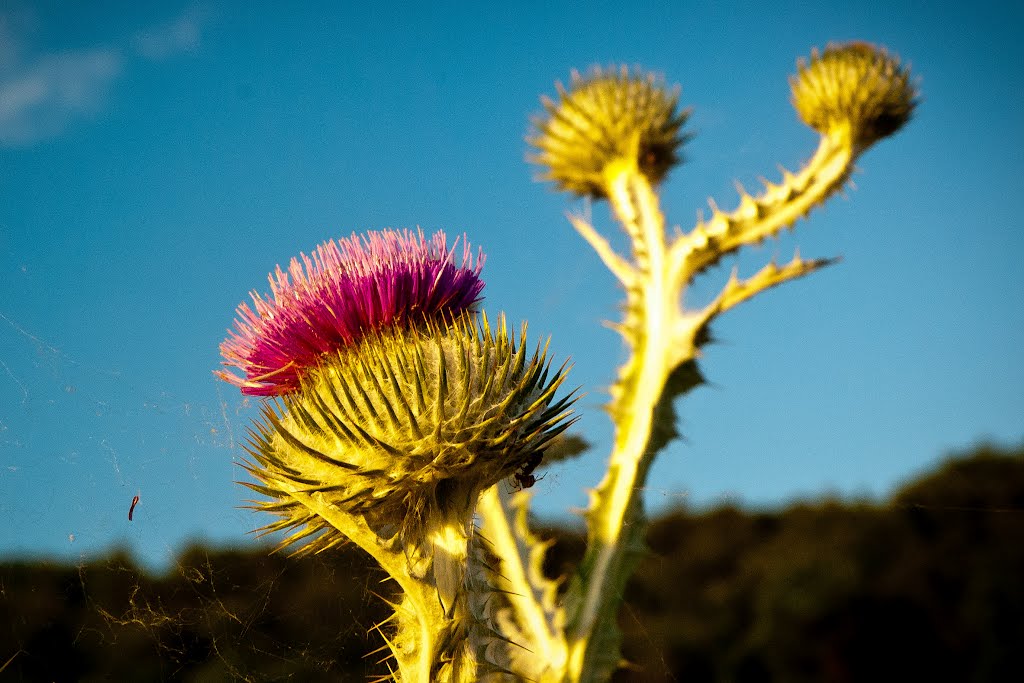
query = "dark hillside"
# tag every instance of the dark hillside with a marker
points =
(925, 587)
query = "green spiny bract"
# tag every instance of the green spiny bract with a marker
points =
(604, 117)
(407, 428)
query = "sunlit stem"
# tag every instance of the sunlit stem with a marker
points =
(778, 207)
(449, 550)
(617, 499)
(513, 553)
(407, 566)
(663, 338)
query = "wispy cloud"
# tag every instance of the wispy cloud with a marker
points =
(174, 37)
(41, 95)
(42, 98)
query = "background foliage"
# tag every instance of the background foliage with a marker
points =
(924, 586)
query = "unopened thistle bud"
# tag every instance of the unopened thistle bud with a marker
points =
(855, 85)
(605, 117)
(346, 289)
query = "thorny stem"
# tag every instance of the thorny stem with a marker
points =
(428, 610)
(513, 554)
(780, 206)
(663, 338)
(636, 206)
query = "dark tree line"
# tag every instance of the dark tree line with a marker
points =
(926, 586)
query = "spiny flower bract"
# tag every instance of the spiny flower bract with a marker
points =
(407, 427)
(344, 290)
(855, 84)
(603, 117)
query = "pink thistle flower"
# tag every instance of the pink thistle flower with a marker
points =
(345, 289)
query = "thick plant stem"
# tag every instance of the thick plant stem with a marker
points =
(616, 518)
(665, 341)
(415, 646)
(428, 616)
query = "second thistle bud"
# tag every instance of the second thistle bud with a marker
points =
(605, 117)
(856, 85)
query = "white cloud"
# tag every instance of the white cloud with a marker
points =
(39, 99)
(41, 95)
(174, 37)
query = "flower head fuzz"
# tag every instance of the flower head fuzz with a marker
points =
(344, 290)
(604, 117)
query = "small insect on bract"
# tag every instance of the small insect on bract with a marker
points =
(523, 478)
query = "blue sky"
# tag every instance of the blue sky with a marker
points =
(158, 160)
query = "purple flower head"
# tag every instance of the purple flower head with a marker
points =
(331, 299)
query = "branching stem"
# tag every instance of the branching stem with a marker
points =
(618, 496)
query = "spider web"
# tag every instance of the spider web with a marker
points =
(182, 583)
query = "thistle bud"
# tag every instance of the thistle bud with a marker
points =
(605, 117)
(856, 85)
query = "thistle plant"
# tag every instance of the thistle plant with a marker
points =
(396, 406)
(400, 408)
